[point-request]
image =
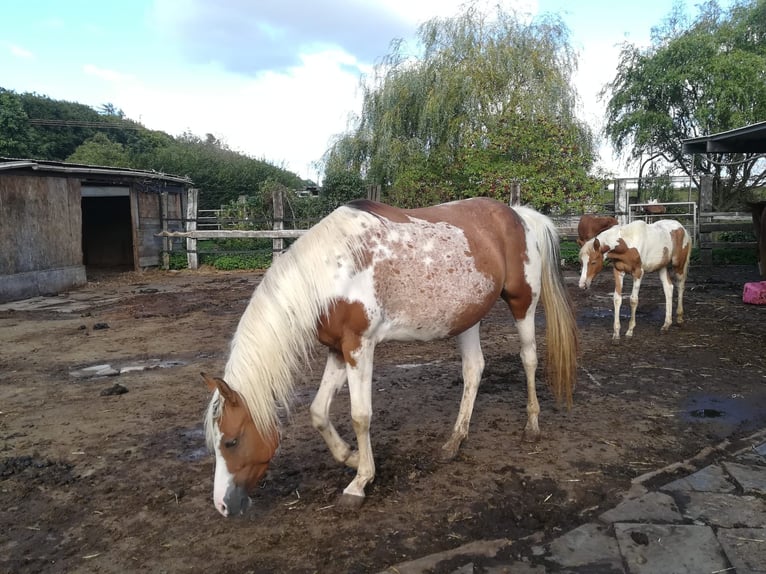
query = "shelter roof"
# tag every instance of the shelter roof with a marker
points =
(89, 171)
(747, 139)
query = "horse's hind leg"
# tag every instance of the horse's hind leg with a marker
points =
(333, 379)
(680, 286)
(667, 287)
(473, 366)
(526, 329)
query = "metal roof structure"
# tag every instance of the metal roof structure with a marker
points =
(748, 139)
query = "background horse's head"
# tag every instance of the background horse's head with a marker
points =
(592, 255)
(242, 452)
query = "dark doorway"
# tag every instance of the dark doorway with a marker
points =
(107, 237)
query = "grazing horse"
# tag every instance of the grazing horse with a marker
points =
(591, 225)
(369, 273)
(638, 248)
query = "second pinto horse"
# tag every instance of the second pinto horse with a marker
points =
(638, 248)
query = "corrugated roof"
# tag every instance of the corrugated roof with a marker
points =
(75, 169)
(748, 139)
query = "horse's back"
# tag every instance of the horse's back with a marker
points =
(436, 271)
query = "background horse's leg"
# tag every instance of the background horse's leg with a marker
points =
(469, 344)
(333, 379)
(667, 287)
(360, 392)
(680, 285)
(633, 304)
(619, 276)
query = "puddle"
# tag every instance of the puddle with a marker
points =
(726, 412)
(109, 370)
(193, 445)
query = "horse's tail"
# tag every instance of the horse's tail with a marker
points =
(562, 338)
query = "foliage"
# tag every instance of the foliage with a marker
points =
(100, 150)
(488, 102)
(696, 78)
(37, 127)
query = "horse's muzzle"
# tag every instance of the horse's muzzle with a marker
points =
(235, 502)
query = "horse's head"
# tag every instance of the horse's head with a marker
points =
(242, 452)
(592, 260)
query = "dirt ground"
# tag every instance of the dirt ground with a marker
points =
(110, 473)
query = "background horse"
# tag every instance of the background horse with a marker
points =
(638, 248)
(369, 273)
(758, 210)
(591, 225)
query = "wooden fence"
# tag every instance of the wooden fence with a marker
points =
(704, 225)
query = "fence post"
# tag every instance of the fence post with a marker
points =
(621, 201)
(515, 198)
(191, 225)
(164, 227)
(278, 243)
(706, 207)
(373, 192)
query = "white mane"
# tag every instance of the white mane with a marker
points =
(277, 331)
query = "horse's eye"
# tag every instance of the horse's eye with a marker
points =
(231, 443)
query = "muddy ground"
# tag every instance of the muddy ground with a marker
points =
(99, 482)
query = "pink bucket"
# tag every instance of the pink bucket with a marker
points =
(755, 293)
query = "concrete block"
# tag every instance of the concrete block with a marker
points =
(750, 477)
(745, 548)
(723, 510)
(590, 547)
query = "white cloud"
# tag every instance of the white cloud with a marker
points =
(104, 74)
(20, 52)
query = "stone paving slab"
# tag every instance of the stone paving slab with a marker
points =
(751, 478)
(651, 507)
(745, 548)
(590, 546)
(724, 510)
(673, 548)
(710, 479)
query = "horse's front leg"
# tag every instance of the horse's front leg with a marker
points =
(667, 287)
(333, 379)
(473, 366)
(360, 392)
(633, 304)
(619, 276)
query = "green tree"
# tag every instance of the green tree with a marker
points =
(14, 126)
(697, 77)
(441, 126)
(100, 150)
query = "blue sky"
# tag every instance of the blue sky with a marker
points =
(275, 79)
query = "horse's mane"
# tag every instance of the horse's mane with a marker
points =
(276, 333)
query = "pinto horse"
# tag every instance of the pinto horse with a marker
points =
(591, 225)
(758, 210)
(639, 248)
(369, 273)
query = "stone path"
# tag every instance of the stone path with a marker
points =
(712, 521)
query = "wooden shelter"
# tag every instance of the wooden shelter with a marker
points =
(58, 220)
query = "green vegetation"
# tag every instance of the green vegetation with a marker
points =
(37, 127)
(489, 102)
(698, 77)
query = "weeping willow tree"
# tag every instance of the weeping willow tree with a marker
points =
(488, 101)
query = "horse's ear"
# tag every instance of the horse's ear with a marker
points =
(215, 383)
(596, 245)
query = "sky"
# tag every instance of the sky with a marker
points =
(277, 80)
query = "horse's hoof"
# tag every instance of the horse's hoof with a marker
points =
(531, 435)
(449, 451)
(615, 341)
(349, 502)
